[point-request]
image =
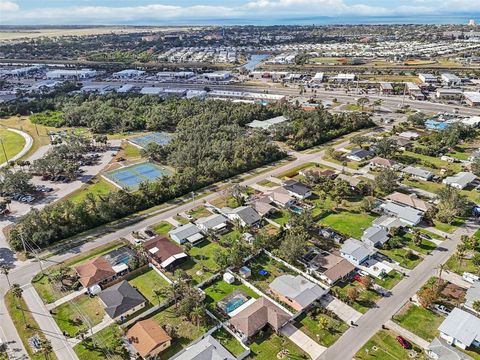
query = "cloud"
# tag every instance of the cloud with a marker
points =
(248, 9)
(8, 6)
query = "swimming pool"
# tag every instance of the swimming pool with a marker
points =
(296, 209)
(234, 304)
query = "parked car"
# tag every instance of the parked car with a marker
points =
(442, 309)
(403, 342)
(469, 277)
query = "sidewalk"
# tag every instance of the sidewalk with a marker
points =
(65, 299)
(9, 335)
(407, 334)
(62, 347)
(303, 341)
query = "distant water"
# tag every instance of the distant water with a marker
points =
(255, 59)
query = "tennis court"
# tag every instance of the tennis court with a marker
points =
(159, 138)
(130, 177)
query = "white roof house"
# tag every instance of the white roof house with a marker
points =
(344, 77)
(460, 180)
(318, 78)
(439, 349)
(375, 236)
(461, 329)
(128, 73)
(356, 251)
(473, 121)
(472, 295)
(188, 232)
(418, 173)
(472, 98)
(297, 289)
(214, 222)
(407, 215)
(265, 124)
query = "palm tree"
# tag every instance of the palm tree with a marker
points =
(17, 294)
(197, 315)
(5, 271)
(46, 348)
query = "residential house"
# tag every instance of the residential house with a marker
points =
(472, 295)
(439, 349)
(121, 300)
(375, 236)
(188, 232)
(256, 316)
(148, 338)
(460, 180)
(207, 348)
(356, 251)
(461, 329)
(215, 223)
(296, 291)
(120, 258)
(359, 154)
(163, 253)
(388, 222)
(329, 267)
(244, 215)
(282, 197)
(297, 189)
(381, 163)
(409, 200)
(97, 271)
(401, 142)
(418, 173)
(410, 135)
(263, 206)
(407, 215)
(352, 181)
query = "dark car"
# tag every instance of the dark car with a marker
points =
(403, 342)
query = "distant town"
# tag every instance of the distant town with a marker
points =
(240, 192)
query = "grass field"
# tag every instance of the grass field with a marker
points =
(366, 299)
(147, 283)
(13, 143)
(310, 324)
(98, 187)
(384, 346)
(267, 183)
(24, 332)
(204, 253)
(349, 223)
(390, 280)
(420, 321)
(228, 341)
(106, 341)
(162, 228)
(199, 211)
(266, 345)
(460, 266)
(400, 256)
(70, 321)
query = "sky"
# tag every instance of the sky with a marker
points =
(170, 12)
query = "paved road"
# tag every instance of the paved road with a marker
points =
(352, 340)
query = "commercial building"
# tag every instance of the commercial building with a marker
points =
(427, 78)
(472, 98)
(344, 78)
(449, 94)
(71, 74)
(451, 79)
(128, 74)
(386, 88)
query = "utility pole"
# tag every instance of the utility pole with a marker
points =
(404, 93)
(193, 197)
(4, 152)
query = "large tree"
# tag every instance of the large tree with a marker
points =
(386, 181)
(451, 204)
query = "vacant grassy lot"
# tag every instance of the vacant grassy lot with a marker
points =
(429, 186)
(349, 223)
(460, 265)
(162, 228)
(420, 321)
(366, 299)
(228, 341)
(98, 187)
(266, 345)
(20, 324)
(425, 247)
(448, 228)
(148, 283)
(70, 320)
(199, 211)
(204, 253)
(403, 257)
(13, 143)
(196, 271)
(185, 330)
(267, 183)
(390, 280)
(281, 217)
(310, 325)
(384, 346)
(107, 346)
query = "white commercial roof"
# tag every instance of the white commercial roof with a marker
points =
(473, 96)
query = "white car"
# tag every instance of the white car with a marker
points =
(469, 277)
(442, 309)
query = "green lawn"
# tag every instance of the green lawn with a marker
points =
(162, 228)
(281, 217)
(431, 234)
(186, 331)
(228, 341)
(273, 267)
(294, 172)
(365, 301)
(310, 325)
(98, 187)
(390, 280)
(267, 183)
(13, 143)
(429, 186)
(181, 219)
(196, 271)
(400, 256)
(199, 211)
(106, 346)
(266, 345)
(460, 266)
(384, 346)
(24, 332)
(419, 321)
(130, 151)
(349, 223)
(147, 283)
(71, 320)
(204, 253)
(425, 247)
(448, 228)
(432, 163)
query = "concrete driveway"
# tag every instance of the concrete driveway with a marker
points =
(303, 341)
(342, 310)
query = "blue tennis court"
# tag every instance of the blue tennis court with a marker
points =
(130, 177)
(159, 138)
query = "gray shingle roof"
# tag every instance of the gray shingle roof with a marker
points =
(246, 213)
(296, 187)
(206, 349)
(297, 288)
(377, 235)
(406, 213)
(120, 298)
(185, 231)
(415, 171)
(462, 179)
(444, 351)
(462, 326)
(211, 221)
(356, 248)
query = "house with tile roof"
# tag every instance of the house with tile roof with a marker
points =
(148, 338)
